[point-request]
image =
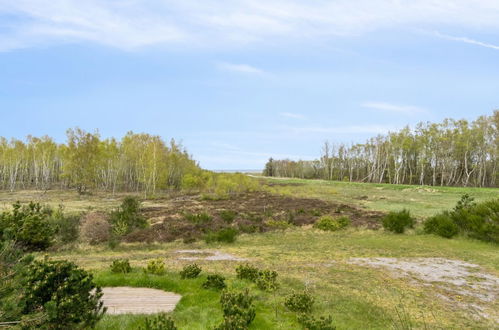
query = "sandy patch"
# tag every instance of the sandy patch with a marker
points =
(210, 255)
(127, 300)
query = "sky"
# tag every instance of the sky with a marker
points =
(240, 81)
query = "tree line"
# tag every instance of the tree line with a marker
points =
(138, 162)
(450, 153)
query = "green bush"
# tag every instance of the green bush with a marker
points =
(225, 235)
(278, 224)
(127, 217)
(159, 322)
(247, 272)
(155, 266)
(66, 227)
(267, 280)
(329, 223)
(441, 225)
(64, 293)
(300, 302)
(477, 220)
(228, 216)
(238, 310)
(310, 323)
(121, 266)
(190, 271)
(398, 222)
(215, 282)
(28, 225)
(199, 218)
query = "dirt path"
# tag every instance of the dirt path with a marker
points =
(127, 300)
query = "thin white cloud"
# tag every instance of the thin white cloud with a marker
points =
(394, 108)
(352, 129)
(292, 115)
(240, 68)
(467, 40)
(131, 24)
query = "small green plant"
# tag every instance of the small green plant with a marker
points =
(199, 218)
(190, 271)
(155, 266)
(329, 223)
(300, 302)
(215, 282)
(228, 215)
(238, 310)
(64, 293)
(247, 272)
(159, 322)
(278, 224)
(127, 217)
(441, 225)
(308, 322)
(267, 280)
(225, 235)
(398, 222)
(121, 266)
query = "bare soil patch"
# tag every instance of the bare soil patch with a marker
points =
(209, 255)
(127, 300)
(254, 212)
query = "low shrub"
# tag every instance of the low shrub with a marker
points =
(267, 280)
(441, 225)
(398, 222)
(228, 215)
(308, 322)
(215, 282)
(64, 293)
(95, 228)
(300, 302)
(329, 223)
(121, 266)
(161, 321)
(238, 310)
(155, 267)
(127, 217)
(190, 271)
(278, 224)
(247, 272)
(225, 235)
(199, 218)
(66, 227)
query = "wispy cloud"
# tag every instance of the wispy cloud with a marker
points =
(467, 40)
(394, 108)
(352, 129)
(292, 115)
(207, 23)
(240, 68)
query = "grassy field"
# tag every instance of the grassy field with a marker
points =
(357, 297)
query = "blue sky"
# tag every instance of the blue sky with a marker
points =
(240, 81)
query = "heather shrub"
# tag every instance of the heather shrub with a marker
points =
(215, 282)
(190, 271)
(228, 215)
(300, 302)
(225, 235)
(95, 228)
(398, 222)
(199, 218)
(329, 223)
(121, 266)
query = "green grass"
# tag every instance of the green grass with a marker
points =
(422, 201)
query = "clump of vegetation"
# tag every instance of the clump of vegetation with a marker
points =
(441, 225)
(476, 220)
(121, 266)
(398, 222)
(267, 280)
(228, 215)
(238, 310)
(28, 225)
(127, 217)
(155, 267)
(300, 302)
(199, 218)
(95, 228)
(66, 227)
(310, 323)
(278, 224)
(225, 235)
(247, 272)
(215, 282)
(190, 271)
(329, 223)
(160, 322)
(62, 295)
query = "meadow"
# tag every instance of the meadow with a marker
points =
(323, 263)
